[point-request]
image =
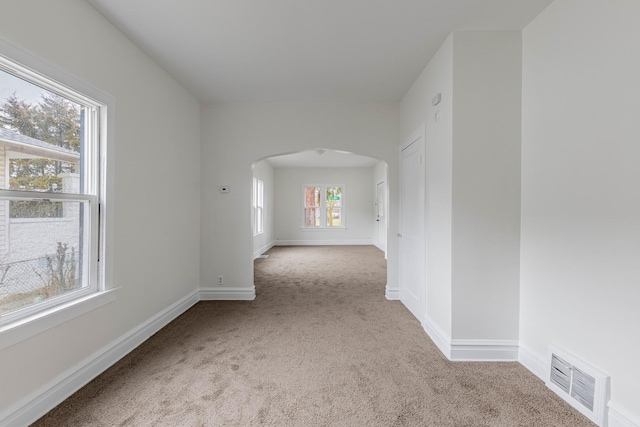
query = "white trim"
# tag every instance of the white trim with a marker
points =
(228, 293)
(38, 403)
(533, 362)
(39, 322)
(413, 303)
(440, 338)
(420, 132)
(392, 293)
(619, 417)
(263, 249)
(324, 228)
(484, 350)
(352, 242)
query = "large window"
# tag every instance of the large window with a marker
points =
(258, 207)
(323, 206)
(49, 189)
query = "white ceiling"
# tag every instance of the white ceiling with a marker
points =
(328, 159)
(303, 50)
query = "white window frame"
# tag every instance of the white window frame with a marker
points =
(258, 207)
(323, 208)
(23, 323)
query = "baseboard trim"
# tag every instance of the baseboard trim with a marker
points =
(533, 362)
(439, 337)
(263, 249)
(355, 242)
(619, 417)
(391, 293)
(412, 303)
(484, 350)
(225, 293)
(38, 403)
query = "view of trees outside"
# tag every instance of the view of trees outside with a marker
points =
(54, 120)
(28, 272)
(334, 206)
(313, 206)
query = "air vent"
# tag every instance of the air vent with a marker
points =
(583, 386)
(561, 373)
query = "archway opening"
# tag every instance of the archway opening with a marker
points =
(319, 197)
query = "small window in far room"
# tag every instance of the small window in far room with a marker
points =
(323, 206)
(258, 207)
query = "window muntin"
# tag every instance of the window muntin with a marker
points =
(323, 206)
(49, 182)
(258, 207)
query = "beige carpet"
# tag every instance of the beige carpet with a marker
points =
(320, 346)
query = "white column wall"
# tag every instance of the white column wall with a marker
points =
(236, 135)
(486, 184)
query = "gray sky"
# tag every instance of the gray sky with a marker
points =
(10, 84)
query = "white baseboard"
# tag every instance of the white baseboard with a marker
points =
(228, 293)
(391, 293)
(458, 350)
(533, 362)
(413, 304)
(263, 249)
(353, 242)
(439, 337)
(38, 403)
(619, 417)
(484, 350)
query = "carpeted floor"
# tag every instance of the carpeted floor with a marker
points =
(319, 346)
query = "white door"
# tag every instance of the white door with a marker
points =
(381, 218)
(412, 225)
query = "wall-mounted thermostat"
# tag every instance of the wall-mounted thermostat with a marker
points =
(224, 188)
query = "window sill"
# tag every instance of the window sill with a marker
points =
(27, 327)
(323, 228)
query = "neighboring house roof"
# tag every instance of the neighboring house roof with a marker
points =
(28, 145)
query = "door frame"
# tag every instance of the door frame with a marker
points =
(416, 304)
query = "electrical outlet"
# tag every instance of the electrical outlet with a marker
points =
(220, 280)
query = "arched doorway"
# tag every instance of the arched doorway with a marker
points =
(345, 193)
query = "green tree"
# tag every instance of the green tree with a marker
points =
(54, 120)
(18, 115)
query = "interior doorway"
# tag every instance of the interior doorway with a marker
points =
(412, 247)
(285, 181)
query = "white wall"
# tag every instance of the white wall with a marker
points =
(235, 136)
(357, 200)
(473, 182)
(263, 171)
(153, 214)
(486, 184)
(416, 109)
(580, 273)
